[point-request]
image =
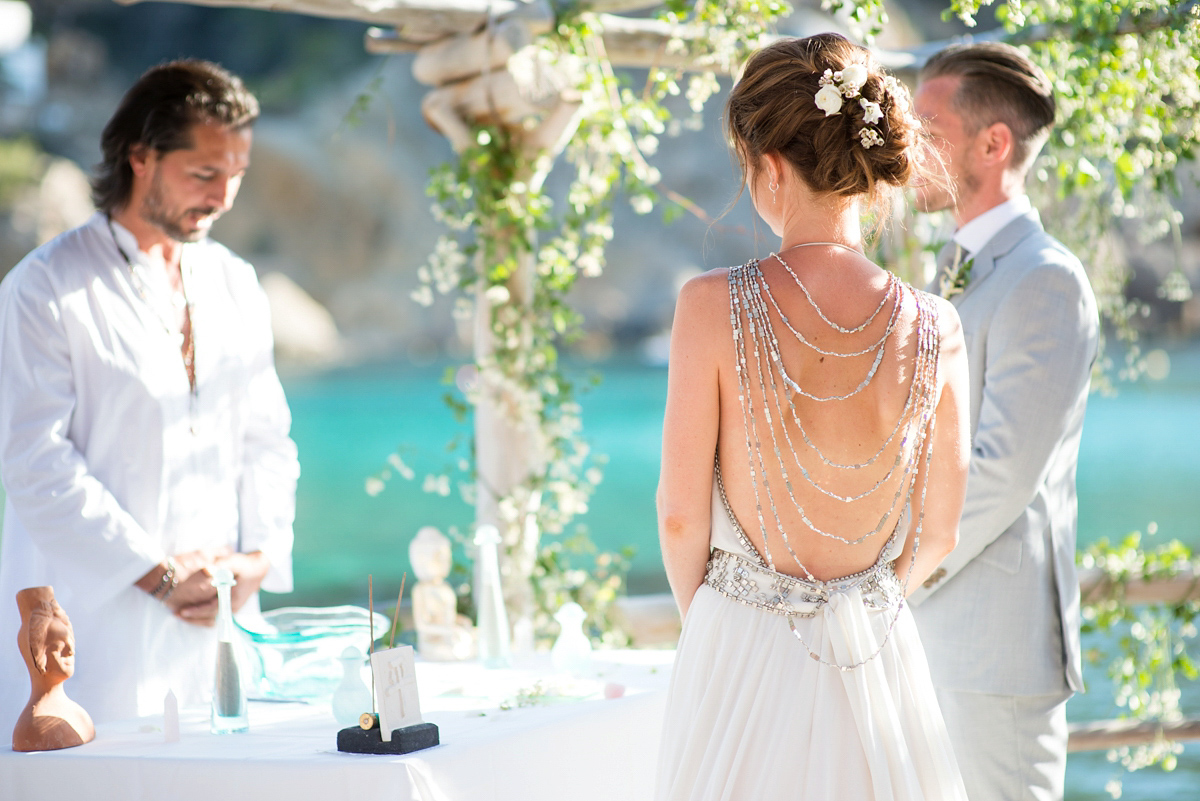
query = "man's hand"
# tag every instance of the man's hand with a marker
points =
(194, 598)
(249, 570)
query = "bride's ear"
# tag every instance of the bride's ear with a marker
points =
(773, 166)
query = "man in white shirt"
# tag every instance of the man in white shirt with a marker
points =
(999, 618)
(143, 430)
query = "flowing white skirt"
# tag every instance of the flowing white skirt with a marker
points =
(752, 717)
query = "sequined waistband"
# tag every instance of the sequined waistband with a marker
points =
(746, 582)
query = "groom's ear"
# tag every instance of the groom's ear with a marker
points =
(995, 145)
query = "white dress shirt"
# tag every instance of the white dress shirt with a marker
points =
(978, 232)
(111, 464)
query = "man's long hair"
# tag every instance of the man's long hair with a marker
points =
(158, 112)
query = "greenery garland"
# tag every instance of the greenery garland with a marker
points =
(1146, 646)
(495, 211)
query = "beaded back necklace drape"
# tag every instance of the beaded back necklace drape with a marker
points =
(767, 395)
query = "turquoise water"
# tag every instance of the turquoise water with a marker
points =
(1139, 463)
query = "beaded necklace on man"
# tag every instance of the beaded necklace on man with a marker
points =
(751, 299)
(179, 304)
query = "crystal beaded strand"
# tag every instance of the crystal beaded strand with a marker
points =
(745, 300)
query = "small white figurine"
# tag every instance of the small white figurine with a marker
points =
(572, 651)
(352, 697)
(442, 634)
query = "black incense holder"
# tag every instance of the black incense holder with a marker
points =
(357, 740)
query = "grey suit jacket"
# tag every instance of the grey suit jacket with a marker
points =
(1001, 613)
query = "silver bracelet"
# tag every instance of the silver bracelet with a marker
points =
(167, 584)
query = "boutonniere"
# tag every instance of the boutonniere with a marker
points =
(955, 281)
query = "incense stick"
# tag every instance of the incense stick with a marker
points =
(396, 615)
(371, 629)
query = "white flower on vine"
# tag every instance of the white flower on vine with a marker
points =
(374, 486)
(648, 144)
(404, 470)
(497, 295)
(829, 100)
(642, 204)
(422, 296)
(439, 485)
(590, 265)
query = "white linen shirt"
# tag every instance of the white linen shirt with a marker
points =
(111, 464)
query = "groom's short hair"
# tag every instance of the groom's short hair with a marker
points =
(999, 84)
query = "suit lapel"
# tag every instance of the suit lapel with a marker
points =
(999, 246)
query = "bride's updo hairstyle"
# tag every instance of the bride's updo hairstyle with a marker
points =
(774, 108)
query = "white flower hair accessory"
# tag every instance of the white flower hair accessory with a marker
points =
(869, 137)
(852, 79)
(829, 99)
(848, 83)
(871, 111)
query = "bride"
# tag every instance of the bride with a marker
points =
(814, 462)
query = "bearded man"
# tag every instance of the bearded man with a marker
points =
(143, 430)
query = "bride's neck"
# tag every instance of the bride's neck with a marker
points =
(821, 218)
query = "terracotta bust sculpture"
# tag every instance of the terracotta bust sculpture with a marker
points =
(442, 634)
(51, 720)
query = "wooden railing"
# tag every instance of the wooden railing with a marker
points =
(1100, 735)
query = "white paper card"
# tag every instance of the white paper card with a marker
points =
(395, 689)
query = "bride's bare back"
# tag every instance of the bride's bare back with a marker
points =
(859, 444)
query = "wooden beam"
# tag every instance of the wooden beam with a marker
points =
(1105, 734)
(385, 41)
(619, 6)
(1095, 586)
(451, 16)
(459, 57)
(631, 42)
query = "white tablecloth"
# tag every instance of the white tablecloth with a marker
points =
(570, 743)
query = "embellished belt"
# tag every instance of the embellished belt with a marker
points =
(752, 584)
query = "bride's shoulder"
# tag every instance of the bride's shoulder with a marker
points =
(703, 286)
(945, 314)
(703, 300)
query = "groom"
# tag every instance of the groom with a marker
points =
(1000, 617)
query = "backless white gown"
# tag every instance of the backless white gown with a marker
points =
(790, 689)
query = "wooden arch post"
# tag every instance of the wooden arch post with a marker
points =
(494, 78)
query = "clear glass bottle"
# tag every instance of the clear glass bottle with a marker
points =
(229, 694)
(495, 644)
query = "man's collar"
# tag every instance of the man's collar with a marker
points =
(974, 235)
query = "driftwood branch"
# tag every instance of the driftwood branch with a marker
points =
(1105, 734)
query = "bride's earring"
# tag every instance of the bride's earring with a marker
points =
(774, 187)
